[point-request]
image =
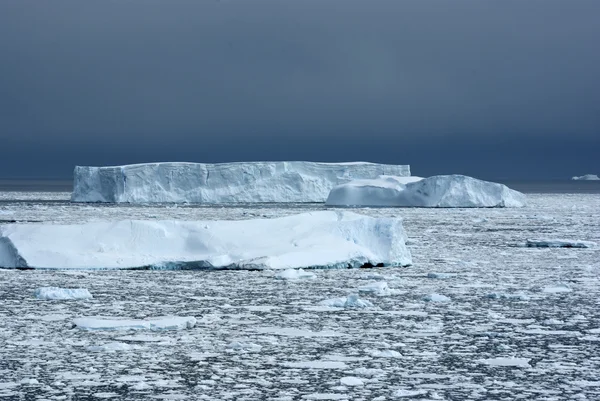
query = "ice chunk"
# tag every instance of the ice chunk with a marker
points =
(559, 243)
(556, 288)
(402, 392)
(587, 177)
(108, 323)
(509, 361)
(352, 381)
(380, 288)
(221, 183)
(295, 274)
(352, 301)
(55, 293)
(387, 353)
(316, 365)
(111, 347)
(326, 239)
(436, 298)
(436, 191)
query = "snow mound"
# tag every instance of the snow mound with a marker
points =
(587, 177)
(55, 293)
(352, 301)
(163, 323)
(436, 191)
(295, 274)
(221, 183)
(325, 239)
(558, 243)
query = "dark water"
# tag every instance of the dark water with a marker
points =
(544, 187)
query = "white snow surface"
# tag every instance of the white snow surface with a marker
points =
(325, 239)
(586, 177)
(113, 323)
(437, 191)
(56, 293)
(293, 181)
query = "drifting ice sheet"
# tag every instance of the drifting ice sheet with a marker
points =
(436, 191)
(324, 239)
(221, 183)
(162, 323)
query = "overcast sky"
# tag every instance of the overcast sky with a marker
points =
(493, 89)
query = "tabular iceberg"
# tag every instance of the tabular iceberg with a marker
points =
(436, 191)
(587, 177)
(324, 239)
(221, 183)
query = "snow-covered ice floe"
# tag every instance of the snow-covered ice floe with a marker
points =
(221, 183)
(587, 177)
(558, 243)
(506, 362)
(436, 298)
(438, 191)
(114, 323)
(56, 293)
(324, 239)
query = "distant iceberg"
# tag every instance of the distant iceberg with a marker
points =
(587, 177)
(325, 239)
(436, 191)
(221, 183)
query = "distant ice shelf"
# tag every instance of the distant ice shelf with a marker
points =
(324, 239)
(437, 191)
(241, 182)
(587, 177)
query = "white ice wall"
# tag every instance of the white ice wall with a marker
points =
(221, 183)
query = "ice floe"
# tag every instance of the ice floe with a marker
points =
(438, 191)
(506, 361)
(163, 323)
(56, 293)
(326, 239)
(558, 243)
(436, 298)
(351, 301)
(295, 274)
(352, 381)
(379, 288)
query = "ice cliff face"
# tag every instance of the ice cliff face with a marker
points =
(221, 183)
(436, 191)
(324, 239)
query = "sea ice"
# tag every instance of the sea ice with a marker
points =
(110, 347)
(380, 288)
(55, 293)
(108, 323)
(436, 298)
(295, 274)
(557, 288)
(352, 381)
(221, 183)
(352, 301)
(326, 239)
(437, 191)
(508, 361)
(558, 243)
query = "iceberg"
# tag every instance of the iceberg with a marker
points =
(436, 191)
(352, 301)
(587, 177)
(221, 183)
(325, 239)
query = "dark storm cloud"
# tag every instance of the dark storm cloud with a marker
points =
(122, 81)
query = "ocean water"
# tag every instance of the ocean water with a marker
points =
(520, 323)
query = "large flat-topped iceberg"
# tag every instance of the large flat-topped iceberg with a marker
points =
(326, 239)
(221, 183)
(436, 191)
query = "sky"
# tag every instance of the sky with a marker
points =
(494, 89)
